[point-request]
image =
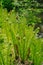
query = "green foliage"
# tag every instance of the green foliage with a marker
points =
(19, 40)
(32, 17)
(7, 4)
(36, 51)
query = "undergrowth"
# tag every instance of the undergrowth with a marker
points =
(18, 41)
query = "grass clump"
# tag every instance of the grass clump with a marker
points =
(20, 45)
